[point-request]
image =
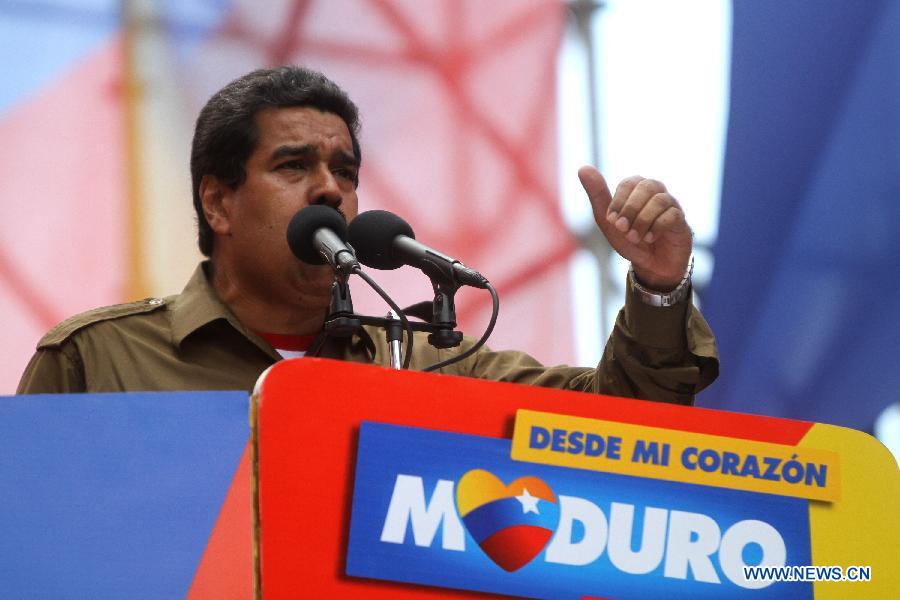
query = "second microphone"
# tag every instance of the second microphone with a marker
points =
(382, 240)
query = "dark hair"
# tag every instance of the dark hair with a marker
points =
(226, 134)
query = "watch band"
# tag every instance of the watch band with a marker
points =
(654, 298)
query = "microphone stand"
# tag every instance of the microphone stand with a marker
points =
(440, 324)
(443, 316)
(341, 320)
(394, 332)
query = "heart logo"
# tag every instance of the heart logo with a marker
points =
(511, 523)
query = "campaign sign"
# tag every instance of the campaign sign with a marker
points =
(661, 453)
(454, 510)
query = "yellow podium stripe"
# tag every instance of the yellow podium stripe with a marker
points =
(673, 455)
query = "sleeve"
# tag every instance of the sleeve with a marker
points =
(658, 353)
(53, 370)
(666, 354)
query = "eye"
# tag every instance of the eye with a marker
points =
(291, 165)
(346, 173)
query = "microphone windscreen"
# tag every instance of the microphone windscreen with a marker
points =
(304, 225)
(372, 236)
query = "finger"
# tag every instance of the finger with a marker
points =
(637, 200)
(652, 210)
(671, 220)
(623, 191)
(597, 191)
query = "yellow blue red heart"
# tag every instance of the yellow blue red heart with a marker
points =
(511, 523)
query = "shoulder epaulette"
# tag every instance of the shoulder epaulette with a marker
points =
(62, 332)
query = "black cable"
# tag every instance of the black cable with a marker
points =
(487, 333)
(407, 354)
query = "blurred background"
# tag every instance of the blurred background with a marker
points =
(776, 124)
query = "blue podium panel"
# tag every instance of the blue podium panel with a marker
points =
(113, 495)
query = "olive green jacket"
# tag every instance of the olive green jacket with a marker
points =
(192, 341)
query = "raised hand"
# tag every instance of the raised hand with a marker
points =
(644, 224)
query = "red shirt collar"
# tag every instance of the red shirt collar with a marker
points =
(288, 342)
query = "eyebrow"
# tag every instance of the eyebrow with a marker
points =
(312, 150)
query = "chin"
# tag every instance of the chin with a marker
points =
(311, 285)
(314, 294)
(315, 273)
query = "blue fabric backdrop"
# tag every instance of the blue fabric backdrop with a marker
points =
(805, 296)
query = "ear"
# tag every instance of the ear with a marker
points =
(214, 200)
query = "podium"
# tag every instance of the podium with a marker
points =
(360, 482)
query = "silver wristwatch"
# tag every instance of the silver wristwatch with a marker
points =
(654, 298)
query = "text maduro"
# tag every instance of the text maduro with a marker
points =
(684, 543)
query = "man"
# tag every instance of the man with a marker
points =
(277, 140)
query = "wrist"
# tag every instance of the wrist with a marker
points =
(662, 292)
(653, 283)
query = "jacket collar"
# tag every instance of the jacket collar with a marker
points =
(199, 306)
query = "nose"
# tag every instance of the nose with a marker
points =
(326, 189)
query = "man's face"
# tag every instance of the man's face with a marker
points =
(303, 156)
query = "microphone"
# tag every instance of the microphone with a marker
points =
(385, 241)
(317, 235)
